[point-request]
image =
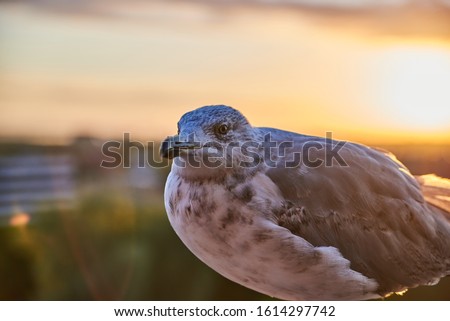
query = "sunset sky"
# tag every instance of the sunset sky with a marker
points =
(366, 72)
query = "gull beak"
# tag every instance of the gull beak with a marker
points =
(172, 146)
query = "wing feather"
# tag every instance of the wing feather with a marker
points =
(372, 210)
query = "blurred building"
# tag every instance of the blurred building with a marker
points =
(40, 178)
(33, 182)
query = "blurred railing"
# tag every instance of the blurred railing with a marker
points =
(31, 183)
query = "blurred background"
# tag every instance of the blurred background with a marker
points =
(76, 73)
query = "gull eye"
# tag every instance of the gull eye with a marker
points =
(222, 129)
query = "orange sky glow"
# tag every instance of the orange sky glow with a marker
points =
(62, 75)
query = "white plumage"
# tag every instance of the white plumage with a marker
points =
(358, 229)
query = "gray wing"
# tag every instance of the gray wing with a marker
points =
(372, 210)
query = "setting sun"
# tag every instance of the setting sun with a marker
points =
(102, 78)
(413, 85)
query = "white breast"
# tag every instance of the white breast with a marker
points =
(238, 241)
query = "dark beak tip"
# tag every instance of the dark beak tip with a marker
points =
(172, 146)
(166, 150)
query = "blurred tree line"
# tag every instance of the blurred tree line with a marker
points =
(106, 249)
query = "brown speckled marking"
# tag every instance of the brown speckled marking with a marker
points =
(197, 212)
(246, 194)
(238, 178)
(245, 246)
(260, 236)
(209, 207)
(230, 218)
(188, 210)
(172, 204)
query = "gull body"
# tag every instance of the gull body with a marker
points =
(360, 226)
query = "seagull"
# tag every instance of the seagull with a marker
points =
(299, 217)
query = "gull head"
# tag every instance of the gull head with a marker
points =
(211, 139)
